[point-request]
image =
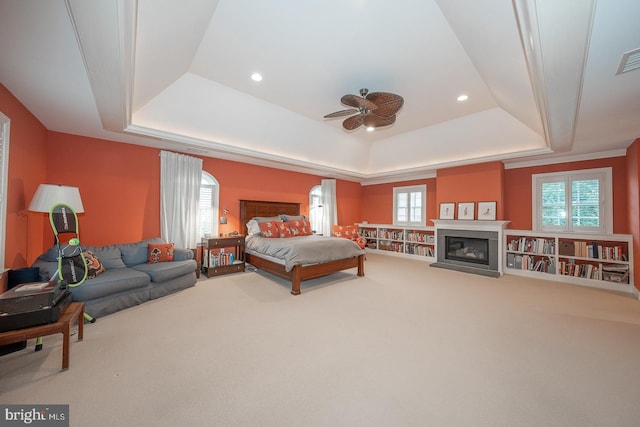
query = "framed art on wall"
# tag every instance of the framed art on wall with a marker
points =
(466, 210)
(487, 211)
(447, 210)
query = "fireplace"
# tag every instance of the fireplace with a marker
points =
(467, 249)
(469, 246)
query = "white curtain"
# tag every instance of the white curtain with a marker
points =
(329, 205)
(180, 178)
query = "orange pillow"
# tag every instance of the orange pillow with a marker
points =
(160, 252)
(346, 231)
(272, 229)
(300, 227)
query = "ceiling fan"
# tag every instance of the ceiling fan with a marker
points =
(373, 109)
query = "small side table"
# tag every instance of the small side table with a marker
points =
(214, 245)
(75, 311)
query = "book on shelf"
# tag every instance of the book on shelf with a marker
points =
(538, 245)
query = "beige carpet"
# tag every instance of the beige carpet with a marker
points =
(407, 345)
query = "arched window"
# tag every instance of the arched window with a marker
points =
(315, 208)
(208, 210)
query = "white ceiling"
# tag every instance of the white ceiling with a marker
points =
(174, 74)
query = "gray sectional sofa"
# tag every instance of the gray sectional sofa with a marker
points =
(128, 279)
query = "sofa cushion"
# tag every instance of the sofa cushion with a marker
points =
(161, 271)
(51, 255)
(110, 256)
(136, 253)
(182, 254)
(112, 281)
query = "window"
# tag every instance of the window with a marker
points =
(410, 205)
(576, 201)
(315, 208)
(208, 209)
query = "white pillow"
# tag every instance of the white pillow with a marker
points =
(253, 227)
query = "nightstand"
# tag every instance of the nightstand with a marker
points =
(222, 255)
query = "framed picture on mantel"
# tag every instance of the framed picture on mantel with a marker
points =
(487, 211)
(466, 210)
(447, 210)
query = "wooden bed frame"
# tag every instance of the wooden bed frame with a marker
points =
(253, 208)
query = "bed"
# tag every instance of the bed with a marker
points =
(299, 271)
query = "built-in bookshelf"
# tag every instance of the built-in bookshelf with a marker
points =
(415, 242)
(602, 261)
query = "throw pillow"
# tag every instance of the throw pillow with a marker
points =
(272, 229)
(268, 229)
(300, 227)
(94, 266)
(160, 252)
(346, 231)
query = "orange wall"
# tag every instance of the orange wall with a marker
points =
(518, 191)
(377, 201)
(27, 169)
(120, 188)
(473, 183)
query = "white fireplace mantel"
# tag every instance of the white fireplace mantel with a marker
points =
(463, 224)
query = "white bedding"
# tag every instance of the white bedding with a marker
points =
(303, 249)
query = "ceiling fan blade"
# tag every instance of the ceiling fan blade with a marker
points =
(342, 113)
(357, 102)
(387, 104)
(373, 120)
(352, 122)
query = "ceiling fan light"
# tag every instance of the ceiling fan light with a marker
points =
(370, 128)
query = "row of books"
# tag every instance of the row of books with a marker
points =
(218, 258)
(420, 237)
(587, 271)
(592, 250)
(528, 262)
(536, 245)
(369, 234)
(392, 235)
(618, 273)
(391, 246)
(420, 250)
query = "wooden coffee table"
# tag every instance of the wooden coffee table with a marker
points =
(74, 311)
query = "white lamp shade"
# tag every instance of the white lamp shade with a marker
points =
(48, 195)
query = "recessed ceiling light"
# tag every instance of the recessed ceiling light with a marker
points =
(256, 77)
(462, 98)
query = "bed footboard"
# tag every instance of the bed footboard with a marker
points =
(299, 272)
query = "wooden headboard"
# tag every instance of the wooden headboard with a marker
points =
(251, 208)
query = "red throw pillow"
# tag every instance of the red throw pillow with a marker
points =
(272, 229)
(362, 242)
(346, 231)
(159, 252)
(300, 227)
